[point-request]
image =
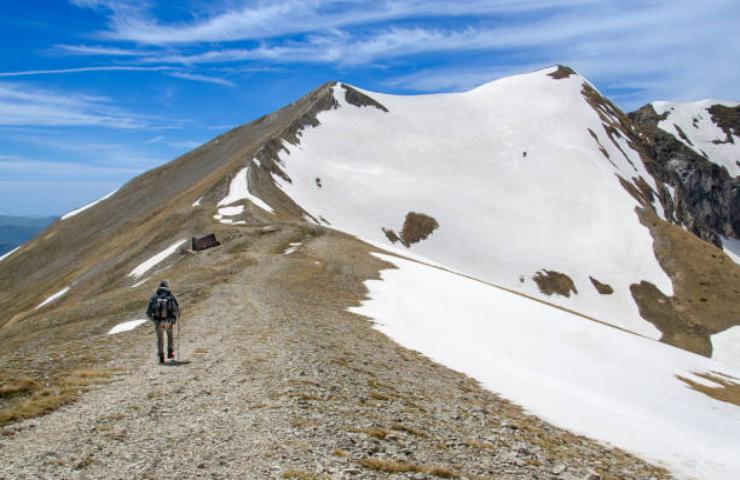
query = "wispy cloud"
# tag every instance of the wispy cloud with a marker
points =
(104, 68)
(99, 50)
(23, 105)
(156, 139)
(266, 19)
(202, 78)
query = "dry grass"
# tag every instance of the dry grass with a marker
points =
(480, 444)
(727, 391)
(18, 386)
(378, 396)
(375, 432)
(392, 466)
(342, 453)
(411, 430)
(62, 392)
(302, 475)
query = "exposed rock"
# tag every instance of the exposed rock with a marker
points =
(707, 200)
(552, 282)
(602, 288)
(359, 99)
(562, 72)
(416, 227)
(726, 118)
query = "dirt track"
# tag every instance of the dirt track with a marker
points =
(280, 380)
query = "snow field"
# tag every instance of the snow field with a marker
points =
(460, 158)
(726, 346)
(587, 377)
(155, 260)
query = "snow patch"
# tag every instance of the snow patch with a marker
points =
(239, 190)
(6, 255)
(125, 326)
(731, 247)
(156, 259)
(53, 297)
(590, 378)
(197, 202)
(726, 347)
(89, 205)
(292, 247)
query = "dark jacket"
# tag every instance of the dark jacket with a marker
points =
(164, 292)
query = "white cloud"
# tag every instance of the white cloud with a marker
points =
(202, 78)
(104, 68)
(265, 19)
(98, 50)
(24, 105)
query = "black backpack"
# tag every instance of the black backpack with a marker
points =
(163, 308)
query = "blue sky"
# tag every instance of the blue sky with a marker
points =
(93, 92)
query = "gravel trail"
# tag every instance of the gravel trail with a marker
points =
(278, 380)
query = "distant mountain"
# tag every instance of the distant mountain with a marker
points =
(16, 230)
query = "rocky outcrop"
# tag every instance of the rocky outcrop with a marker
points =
(707, 199)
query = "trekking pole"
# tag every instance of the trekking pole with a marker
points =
(178, 342)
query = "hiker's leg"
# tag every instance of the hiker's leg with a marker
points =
(159, 326)
(170, 346)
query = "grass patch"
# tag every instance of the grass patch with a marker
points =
(482, 445)
(411, 430)
(302, 475)
(18, 386)
(392, 466)
(375, 432)
(66, 390)
(378, 396)
(726, 391)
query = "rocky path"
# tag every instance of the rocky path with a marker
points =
(279, 381)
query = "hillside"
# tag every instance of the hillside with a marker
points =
(16, 230)
(527, 234)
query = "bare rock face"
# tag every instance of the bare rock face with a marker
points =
(707, 198)
(359, 99)
(728, 119)
(562, 72)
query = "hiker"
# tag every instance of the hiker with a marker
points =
(163, 310)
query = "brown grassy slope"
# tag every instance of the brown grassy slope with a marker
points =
(102, 244)
(706, 284)
(95, 251)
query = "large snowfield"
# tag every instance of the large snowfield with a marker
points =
(511, 173)
(587, 377)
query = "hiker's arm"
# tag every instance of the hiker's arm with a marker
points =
(150, 309)
(177, 306)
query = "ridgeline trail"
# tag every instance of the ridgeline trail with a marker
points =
(278, 380)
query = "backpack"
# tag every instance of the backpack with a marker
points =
(162, 310)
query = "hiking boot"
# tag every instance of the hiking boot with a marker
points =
(171, 354)
(161, 358)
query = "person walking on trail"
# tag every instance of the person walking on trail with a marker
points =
(163, 310)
